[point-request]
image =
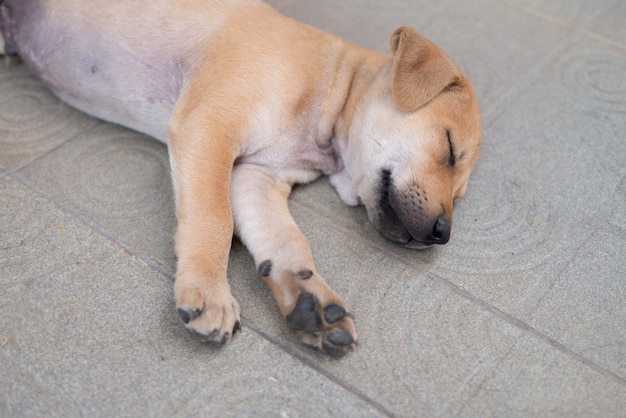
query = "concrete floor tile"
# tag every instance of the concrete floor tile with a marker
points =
(118, 179)
(33, 245)
(585, 306)
(99, 336)
(560, 387)
(32, 120)
(418, 343)
(521, 314)
(428, 351)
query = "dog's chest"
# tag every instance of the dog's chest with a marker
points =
(297, 150)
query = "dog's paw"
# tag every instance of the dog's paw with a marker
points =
(210, 312)
(329, 328)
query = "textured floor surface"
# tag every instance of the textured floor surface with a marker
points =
(523, 313)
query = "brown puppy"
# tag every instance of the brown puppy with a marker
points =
(251, 102)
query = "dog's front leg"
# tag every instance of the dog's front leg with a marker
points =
(283, 257)
(202, 155)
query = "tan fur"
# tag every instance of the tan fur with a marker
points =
(412, 89)
(265, 102)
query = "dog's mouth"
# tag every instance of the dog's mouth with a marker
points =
(416, 245)
(403, 226)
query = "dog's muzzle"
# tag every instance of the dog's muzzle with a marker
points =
(402, 218)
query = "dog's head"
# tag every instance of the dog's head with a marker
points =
(413, 142)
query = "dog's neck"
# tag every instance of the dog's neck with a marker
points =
(355, 72)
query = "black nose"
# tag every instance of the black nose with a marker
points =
(441, 232)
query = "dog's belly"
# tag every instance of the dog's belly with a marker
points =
(125, 63)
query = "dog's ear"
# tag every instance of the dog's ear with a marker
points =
(421, 70)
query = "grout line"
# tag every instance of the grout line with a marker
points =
(566, 25)
(526, 327)
(151, 264)
(474, 299)
(92, 125)
(304, 359)
(91, 224)
(318, 368)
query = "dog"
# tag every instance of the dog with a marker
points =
(251, 102)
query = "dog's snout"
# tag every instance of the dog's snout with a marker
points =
(441, 231)
(402, 216)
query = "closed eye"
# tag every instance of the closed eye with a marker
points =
(452, 158)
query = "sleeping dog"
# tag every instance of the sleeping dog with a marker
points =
(251, 102)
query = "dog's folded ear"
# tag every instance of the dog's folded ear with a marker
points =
(421, 70)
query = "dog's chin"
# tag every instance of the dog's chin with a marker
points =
(416, 245)
(400, 235)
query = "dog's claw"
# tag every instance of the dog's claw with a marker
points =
(212, 320)
(201, 337)
(184, 315)
(212, 337)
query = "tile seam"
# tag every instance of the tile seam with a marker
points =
(59, 145)
(89, 223)
(319, 369)
(564, 24)
(518, 323)
(302, 358)
(151, 264)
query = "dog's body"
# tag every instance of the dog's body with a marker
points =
(251, 102)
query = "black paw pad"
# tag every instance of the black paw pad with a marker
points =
(305, 274)
(340, 337)
(333, 313)
(338, 343)
(265, 268)
(334, 351)
(189, 316)
(304, 317)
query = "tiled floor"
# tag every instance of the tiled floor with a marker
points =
(523, 313)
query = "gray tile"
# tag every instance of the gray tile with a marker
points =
(423, 350)
(540, 236)
(604, 17)
(585, 306)
(567, 155)
(420, 349)
(560, 387)
(32, 120)
(118, 179)
(97, 335)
